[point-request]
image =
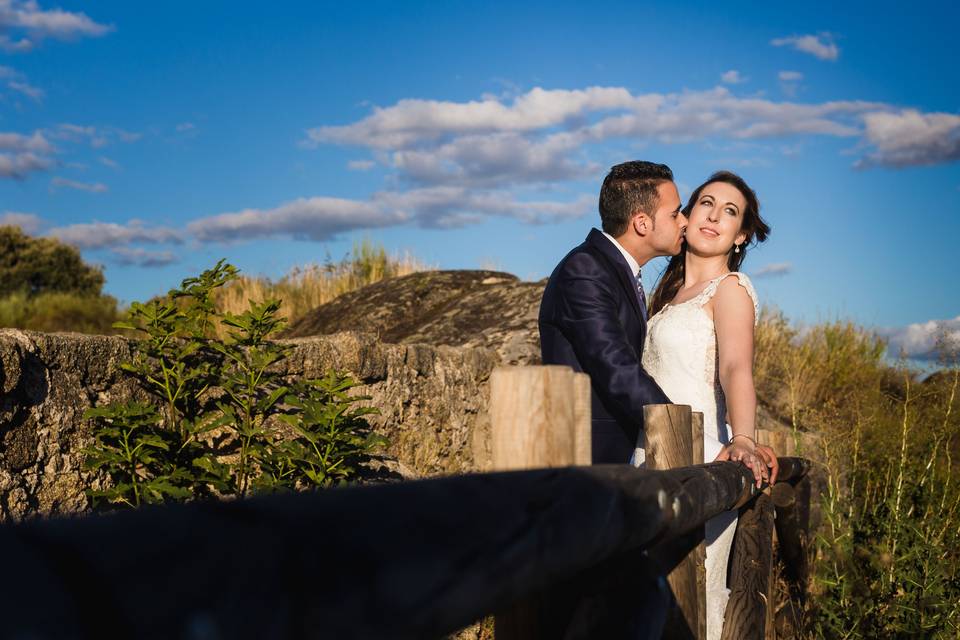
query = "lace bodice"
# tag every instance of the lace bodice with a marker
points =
(681, 355)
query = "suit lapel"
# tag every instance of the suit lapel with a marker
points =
(619, 267)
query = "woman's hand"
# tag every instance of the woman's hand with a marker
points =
(769, 457)
(744, 453)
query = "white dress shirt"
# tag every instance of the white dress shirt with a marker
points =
(631, 261)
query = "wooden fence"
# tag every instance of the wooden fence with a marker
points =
(555, 548)
(538, 420)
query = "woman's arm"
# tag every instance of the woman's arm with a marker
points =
(733, 318)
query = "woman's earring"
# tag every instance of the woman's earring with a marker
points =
(736, 248)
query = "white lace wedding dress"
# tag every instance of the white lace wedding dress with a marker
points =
(681, 355)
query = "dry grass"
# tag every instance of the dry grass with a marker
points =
(305, 288)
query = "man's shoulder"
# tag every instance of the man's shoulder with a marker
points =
(586, 257)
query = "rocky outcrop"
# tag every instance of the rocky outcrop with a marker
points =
(487, 309)
(432, 403)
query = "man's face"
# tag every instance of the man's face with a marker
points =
(668, 223)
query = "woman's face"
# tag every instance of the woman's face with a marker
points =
(715, 220)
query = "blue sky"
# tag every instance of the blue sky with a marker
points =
(159, 137)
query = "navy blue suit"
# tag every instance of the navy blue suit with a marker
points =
(590, 319)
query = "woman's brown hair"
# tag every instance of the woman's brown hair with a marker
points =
(752, 225)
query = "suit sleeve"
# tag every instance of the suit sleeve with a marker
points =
(590, 322)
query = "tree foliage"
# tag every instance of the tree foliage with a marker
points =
(33, 266)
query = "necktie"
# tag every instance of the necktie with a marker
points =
(641, 296)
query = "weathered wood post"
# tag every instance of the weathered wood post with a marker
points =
(539, 417)
(669, 442)
(751, 563)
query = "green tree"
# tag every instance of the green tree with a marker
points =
(33, 266)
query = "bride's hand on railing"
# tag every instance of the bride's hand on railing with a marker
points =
(769, 457)
(749, 456)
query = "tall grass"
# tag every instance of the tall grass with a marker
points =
(886, 558)
(308, 287)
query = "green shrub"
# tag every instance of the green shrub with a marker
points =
(213, 429)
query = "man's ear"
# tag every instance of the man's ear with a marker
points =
(641, 224)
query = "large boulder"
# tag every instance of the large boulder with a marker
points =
(487, 309)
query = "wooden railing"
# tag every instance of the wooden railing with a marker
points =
(540, 418)
(561, 552)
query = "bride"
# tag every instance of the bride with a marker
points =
(699, 347)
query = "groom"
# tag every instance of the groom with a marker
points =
(593, 316)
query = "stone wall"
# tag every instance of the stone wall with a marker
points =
(432, 403)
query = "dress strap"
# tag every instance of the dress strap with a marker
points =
(744, 281)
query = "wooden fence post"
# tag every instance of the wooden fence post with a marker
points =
(668, 444)
(539, 417)
(751, 563)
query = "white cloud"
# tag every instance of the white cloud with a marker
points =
(77, 133)
(185, 126)
(28, 90)
(18, 142)
(317, 218)
(820, 46)
(691, 116)
(18, 165)
(412, 121)
(908, 137)
(33, 24)
(790, 82)
(15, 46)
(98, 235)
(361, 165)
(773, 269)
(23, 154)
(500, 141)
(136, 256)
(451, 206)
(322, 218)
(96, 137)
(495, 159)
(732, 77)
(28, 222)
(923, 340)
(107, 162)
(96, 187)
(16, 81)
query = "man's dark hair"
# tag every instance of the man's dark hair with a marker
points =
(628, 188)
